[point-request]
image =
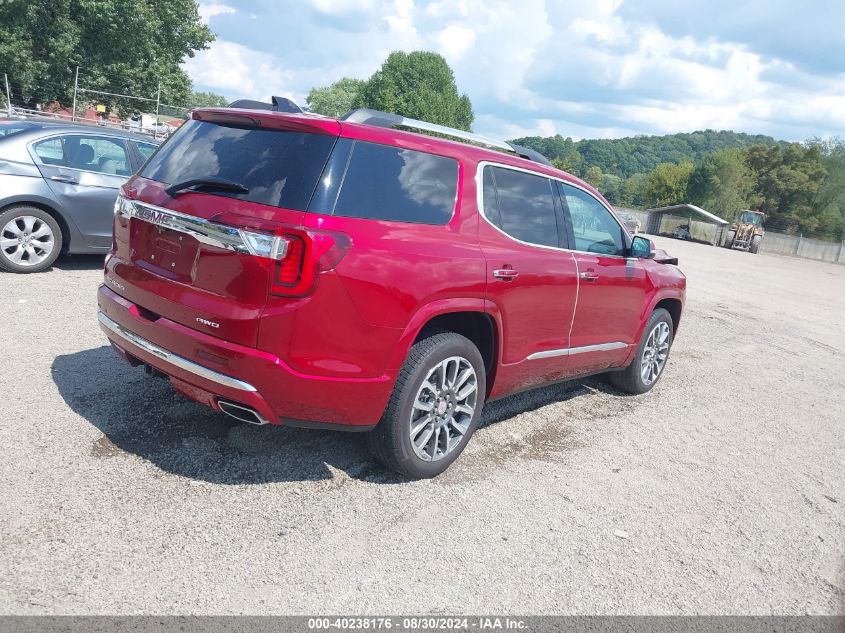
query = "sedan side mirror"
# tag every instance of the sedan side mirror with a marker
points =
(642, 247)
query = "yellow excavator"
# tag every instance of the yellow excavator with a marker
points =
(746, 234)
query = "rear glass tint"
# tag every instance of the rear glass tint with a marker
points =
(280, 168)
(389, 183)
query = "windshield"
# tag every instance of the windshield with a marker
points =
(748, 217)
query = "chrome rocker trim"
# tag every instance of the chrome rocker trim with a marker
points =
(173, 359)
(571, 351)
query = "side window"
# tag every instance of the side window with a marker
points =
(390, 183)
(526, 206)
(490, 199)
(146, 150)
(595, 229)
(50, 152)
(88, 153)
(100, 154)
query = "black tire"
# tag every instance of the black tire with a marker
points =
(390, 441)
(755, 243)
(630, 379)
(729, 240)
(46, 220)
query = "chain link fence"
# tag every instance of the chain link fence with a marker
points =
(140, 114)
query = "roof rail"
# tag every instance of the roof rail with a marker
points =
(388, 119)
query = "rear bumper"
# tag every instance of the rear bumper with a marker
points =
(208, 370)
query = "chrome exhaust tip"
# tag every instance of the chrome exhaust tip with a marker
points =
(242, 413)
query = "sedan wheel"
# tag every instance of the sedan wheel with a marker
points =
(30, 240)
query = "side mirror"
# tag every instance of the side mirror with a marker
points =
(642, 247)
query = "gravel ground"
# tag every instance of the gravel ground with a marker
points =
(720, 492)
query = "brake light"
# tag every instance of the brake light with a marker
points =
(303, 254)
(289, 269)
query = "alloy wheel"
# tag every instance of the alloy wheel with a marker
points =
(655, 353)
(443, 408)
(26, 240)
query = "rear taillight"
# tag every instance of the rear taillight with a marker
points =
(305, 253)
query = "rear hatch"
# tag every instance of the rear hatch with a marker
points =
(206, 253)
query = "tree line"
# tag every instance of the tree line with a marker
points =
(800, 186)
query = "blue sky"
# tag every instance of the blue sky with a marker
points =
(594, 69)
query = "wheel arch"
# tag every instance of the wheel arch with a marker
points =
(467, 317)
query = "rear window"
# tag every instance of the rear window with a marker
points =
(280, 168)
(389, 183)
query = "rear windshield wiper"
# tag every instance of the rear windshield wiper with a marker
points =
(218, 184)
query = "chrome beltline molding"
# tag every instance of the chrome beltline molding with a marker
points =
(571, 351)
(171, 358)
(205, 231)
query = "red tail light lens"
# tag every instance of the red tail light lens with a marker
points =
(307, 254)
(289, 269)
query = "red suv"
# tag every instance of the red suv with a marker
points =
(289, 268)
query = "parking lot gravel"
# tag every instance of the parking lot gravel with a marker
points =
(720, 492)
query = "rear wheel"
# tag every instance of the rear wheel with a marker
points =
(755, 243)
(434, 409)
(653, 352)
(30, 240)
(729, 240)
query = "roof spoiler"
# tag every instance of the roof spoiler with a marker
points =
(388, 119)
(279, 104)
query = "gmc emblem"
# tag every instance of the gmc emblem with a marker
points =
(156, 217)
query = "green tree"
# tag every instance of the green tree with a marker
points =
(667, 184)
(418, 85)
(208, 100)
(336, 99)
(121, 46)
(634, 191)
(829, 201)
(722, 183)
(787, 182)
(594, 175)
(611, 188)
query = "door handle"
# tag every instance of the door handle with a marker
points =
(70, 180)
(505, 273)
(589, 276)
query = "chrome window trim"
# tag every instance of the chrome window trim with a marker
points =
(572, 351)
(204, 231)
(171, 358)
(479, 195)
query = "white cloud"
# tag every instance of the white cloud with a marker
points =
(240, 72)
(454, 41)
(603, 68)
(209, 9)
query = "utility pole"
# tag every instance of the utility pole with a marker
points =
(8, 96)
(158, 105)
(75, 88)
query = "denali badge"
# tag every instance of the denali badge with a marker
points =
(207, 322)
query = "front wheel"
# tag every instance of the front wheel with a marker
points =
(729, 240)
(755, 243)
(434, 409)
(653, 352)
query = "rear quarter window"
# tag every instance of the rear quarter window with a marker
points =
(279, 167)
(390, 183)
